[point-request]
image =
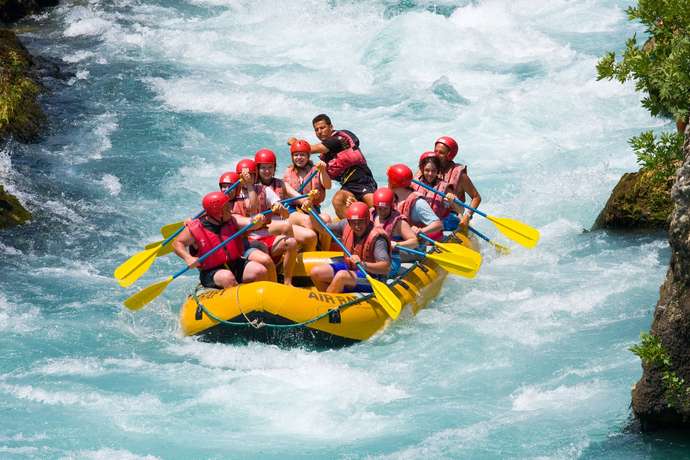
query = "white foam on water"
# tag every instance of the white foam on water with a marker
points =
(83, 21)
(112, 184)
(78, 56)
(18, 319)
(107, 453)
(561, 398)
(301, 393)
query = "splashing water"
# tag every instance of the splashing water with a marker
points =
(528, 360)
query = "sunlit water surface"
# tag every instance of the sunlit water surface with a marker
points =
(528, 360)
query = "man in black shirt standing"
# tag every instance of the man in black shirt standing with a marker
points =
(339, 149)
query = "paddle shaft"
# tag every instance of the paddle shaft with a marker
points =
(335, 238)
(456, 200)
(234, 235)
(427, 238)
(480, 234)
(412, 251)
(179, 230)
(307, 180)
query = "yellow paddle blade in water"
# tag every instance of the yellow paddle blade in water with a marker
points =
(465, 253)
(141, 258)
(169, 229)
(164, 250)
(500, 249)
(146, 295)
(455, 264)
(388, 300)
(516, 231)
(142, 267)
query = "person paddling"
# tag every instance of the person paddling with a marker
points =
(369, 246)
(277, 189)
(456, 176)
(411, 204)
(228, 266)
(339, 149)
(273, 237)
(429, 168)
(302, 168)
(394, 224)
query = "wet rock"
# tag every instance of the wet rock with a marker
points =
(20, 114)
(11, 211)
(671, 319)
(638, 202)
(14, 10)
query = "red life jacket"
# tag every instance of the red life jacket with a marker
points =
(205, 240)
(405, 208)
(293, 178)
(365, 247)
(242, 204)
(345, 159)
(440, 207)
(389, 224)
(452, 178)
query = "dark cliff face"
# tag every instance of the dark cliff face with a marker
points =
(671, 318)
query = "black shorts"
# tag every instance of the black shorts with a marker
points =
(236, 267)
(359, 182)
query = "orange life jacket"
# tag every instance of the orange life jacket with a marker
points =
(365, 247)
(293, 178)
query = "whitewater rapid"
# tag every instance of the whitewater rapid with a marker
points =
(528, 360)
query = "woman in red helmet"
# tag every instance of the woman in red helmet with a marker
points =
(229, 265)
(386, 216)
(369, 246)
(294, 177)
(276, 190)
(429, 167)
(346, 164)
(411, 204)
(273, 236)
(456, 175)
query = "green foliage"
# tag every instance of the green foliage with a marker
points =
(660, 68)
(662, 155)
(652, 353)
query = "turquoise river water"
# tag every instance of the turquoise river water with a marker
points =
(528, 360)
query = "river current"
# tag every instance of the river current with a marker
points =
(157, 98)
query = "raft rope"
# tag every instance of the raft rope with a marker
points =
(256, 324)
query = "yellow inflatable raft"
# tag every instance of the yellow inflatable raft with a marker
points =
(286, 315)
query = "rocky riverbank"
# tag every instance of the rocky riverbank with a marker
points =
(21, 116)
(661, 398)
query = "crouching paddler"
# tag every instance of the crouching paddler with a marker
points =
(369, 245)
(229, 265)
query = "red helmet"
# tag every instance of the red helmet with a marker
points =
(214, 203)
(300, 146)
(450, 143)
(399, 175)
(265, 157)
(384, 197)
(246, 163)
(229, 177)
(357, 210)
(424, 156)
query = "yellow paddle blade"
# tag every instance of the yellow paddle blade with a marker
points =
(455, 264)
(169, 229)
(388, 300)
(464, 252)
(147, 294)
(135, 262)
(164, 250)
(517, 231)
(137, 271)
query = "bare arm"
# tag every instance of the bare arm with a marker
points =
(180, 245)
(323, 175)
(470, 189)
(409, 239)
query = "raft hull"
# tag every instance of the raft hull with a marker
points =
(346, 318)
